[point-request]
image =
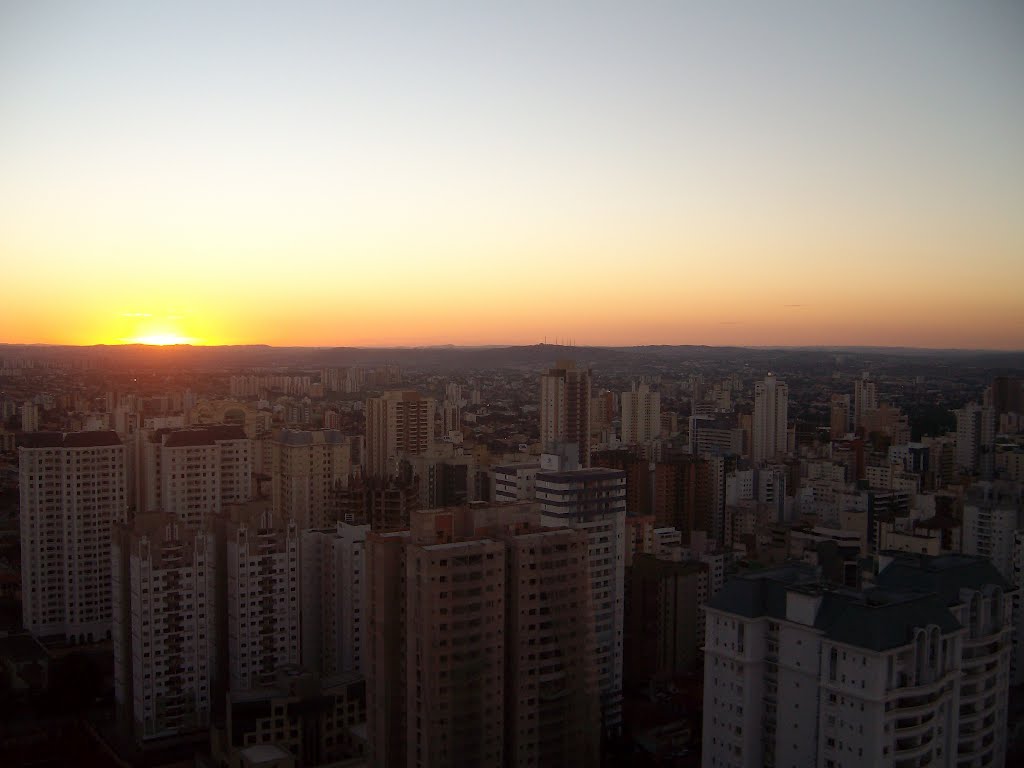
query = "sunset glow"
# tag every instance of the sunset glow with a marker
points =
(161, 340)
(629, 180)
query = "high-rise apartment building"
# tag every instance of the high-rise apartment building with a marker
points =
(29, 417)
(913, 671)
(73, 490)
(865, 399)
(993, 512)
(565, 408)
(641, 415)
(397, 423)
(194, 472)
(593, 501)
(839, 416)
(334, 600)
(771, 413)
(480, 642)
(165, 633)
(261, 573)
(975, 439)
(305, 468)
(663, 612)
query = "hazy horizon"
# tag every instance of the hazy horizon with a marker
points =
(502, 345)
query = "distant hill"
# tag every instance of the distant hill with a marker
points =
(449, 357)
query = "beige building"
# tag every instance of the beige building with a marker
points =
(73, 490)
(565, 408)
(480, 642)
(771, 414)
(305, 468)
(641, 415)
(194, 472)
(397, 423)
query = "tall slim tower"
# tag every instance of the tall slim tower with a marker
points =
(975, 438)
(771, 412)
(165, 636)
(641, 415)
(260, 565)
(334, 599)
(565, 408)
(73, 490)
(397, 422)
(594, 501)
(865, 399)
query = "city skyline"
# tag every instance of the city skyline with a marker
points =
(680, 174)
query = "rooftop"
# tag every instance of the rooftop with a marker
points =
(98, 439)
(205, 435)
(913, 591)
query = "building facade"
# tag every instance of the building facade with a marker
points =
(771, 414)
(565, 394)
(73, 491)
(911, 671)
(165, 631)
(397, 423)
(305, 468)
(593, 501)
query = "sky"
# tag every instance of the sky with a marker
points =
(343, 173)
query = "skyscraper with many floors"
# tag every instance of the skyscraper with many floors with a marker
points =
(73, 490)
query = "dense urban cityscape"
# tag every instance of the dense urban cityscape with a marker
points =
(511, 384)
(536, 555)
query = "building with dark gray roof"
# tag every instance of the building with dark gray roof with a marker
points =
(910, 670)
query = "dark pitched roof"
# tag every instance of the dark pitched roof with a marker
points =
(97, 439)
(91, 439)
(762, 593)
(914, 592)
(205, 435)
(591, 473)
(880, 620)
(943, 575)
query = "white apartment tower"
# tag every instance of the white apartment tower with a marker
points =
(911, 672)
(565, 408)
(334, 599)
(593, 501)
(771, 413)
(305, 468)
(73, 490)
(261, 563)
(975, 439)
(397, 422)
(165, 636)
(641, 415)
(194, 472)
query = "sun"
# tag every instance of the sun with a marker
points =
(161, 339)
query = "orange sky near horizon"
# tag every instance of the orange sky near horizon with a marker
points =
(673, 174)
